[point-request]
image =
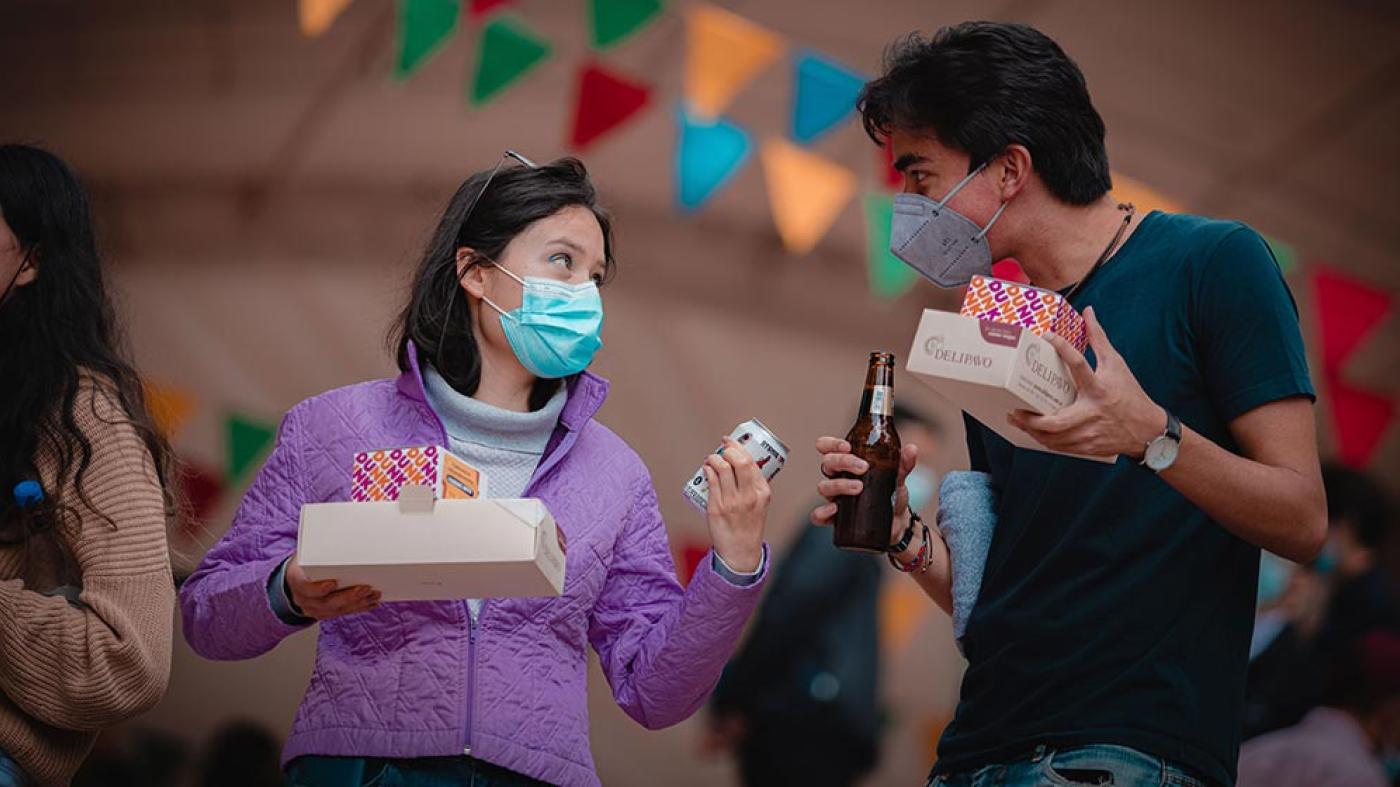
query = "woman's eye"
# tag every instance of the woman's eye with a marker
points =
(564, 258)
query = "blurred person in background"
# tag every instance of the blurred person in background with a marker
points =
(806, 678)
(1352, 740)
(86, 592)
(503, 319)
(1326, 604)
(1110, 639)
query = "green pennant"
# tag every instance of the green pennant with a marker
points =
(247, 439)
(507, 50)
(889, 277)
(1284, 254)
(424, 26)
(615, 20)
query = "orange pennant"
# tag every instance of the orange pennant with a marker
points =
(170, 407)
(1144, 197)
(724, 52)
(318, 15)
(902, 607)
(805, 191)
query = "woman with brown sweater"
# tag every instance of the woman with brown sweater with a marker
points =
(86, 597)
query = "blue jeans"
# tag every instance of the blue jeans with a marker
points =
(11, 775)
(1100, 764)
(317, 771)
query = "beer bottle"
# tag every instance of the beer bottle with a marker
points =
(863, 521)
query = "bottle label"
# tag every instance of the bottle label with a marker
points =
(882, 400)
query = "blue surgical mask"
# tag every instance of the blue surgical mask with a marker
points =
(556, 331)
(922, 484)
(945, 246)
(1327, 561)
(1274, 573)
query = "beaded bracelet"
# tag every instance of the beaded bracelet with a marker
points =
(920, 562)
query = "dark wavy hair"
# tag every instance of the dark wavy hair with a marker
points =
(58, 330)
(436, 318)
(981, 86)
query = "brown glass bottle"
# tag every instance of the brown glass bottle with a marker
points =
(863, 522)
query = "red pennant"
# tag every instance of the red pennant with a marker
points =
(1347, 311)
(1359, 420)
(892, 179)
(202, 489)
(604, 101)
(1010, 270)
(481, 8)
(691, 555)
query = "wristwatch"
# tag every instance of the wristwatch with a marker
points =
(903, 543)
(1162, 451)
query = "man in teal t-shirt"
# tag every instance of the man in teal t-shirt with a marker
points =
(1110, 638)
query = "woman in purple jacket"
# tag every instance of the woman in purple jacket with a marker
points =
(503, 318)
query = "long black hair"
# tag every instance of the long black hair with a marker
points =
(436, 318)
(58, 331)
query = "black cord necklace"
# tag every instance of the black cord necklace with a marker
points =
(1129, 211)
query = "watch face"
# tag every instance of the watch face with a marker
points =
(1161, 453)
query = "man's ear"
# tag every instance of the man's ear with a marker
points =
(1016, 169)
(470, 272)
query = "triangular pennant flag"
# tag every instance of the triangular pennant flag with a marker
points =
(316, 16)
(902, 607)
(200, 490)
(1284, 254)
(723, 52)
(170, 407)
(1347, 312)
(1359, 420)
(424, 26)
(691, 555)
(615, 20)
(508, 49)
(1142, 196)
(247, 439)
(604, 101)
(888, 174)
(805, 192)
(1010, 270)
(481, 8)
(889, 276)
(707, 156)
(825, 95)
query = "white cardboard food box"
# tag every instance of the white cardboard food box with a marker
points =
(989, 369)
(421, 549)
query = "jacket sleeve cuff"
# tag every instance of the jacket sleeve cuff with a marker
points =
(281, 601)
(740, 579)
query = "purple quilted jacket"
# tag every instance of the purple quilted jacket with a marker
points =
(420, 679)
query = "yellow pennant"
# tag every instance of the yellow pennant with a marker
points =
(1144, 197)
(318, 15)
(724, 52)
(805, 191)
(170, 407)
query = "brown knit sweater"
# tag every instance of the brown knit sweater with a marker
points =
(67, 672)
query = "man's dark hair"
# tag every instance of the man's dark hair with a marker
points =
(982, 86)
(1357, 499)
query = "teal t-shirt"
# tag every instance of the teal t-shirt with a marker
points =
(1112, 610)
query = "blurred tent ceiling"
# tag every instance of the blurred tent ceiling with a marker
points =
(211, 130)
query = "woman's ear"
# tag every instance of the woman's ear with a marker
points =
(470, 272)
(29, 271)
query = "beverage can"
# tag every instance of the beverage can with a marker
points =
(768, 452)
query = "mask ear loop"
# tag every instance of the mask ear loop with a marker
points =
(23, 266)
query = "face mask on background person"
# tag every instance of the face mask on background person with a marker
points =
(945, 246)
(556, 331)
